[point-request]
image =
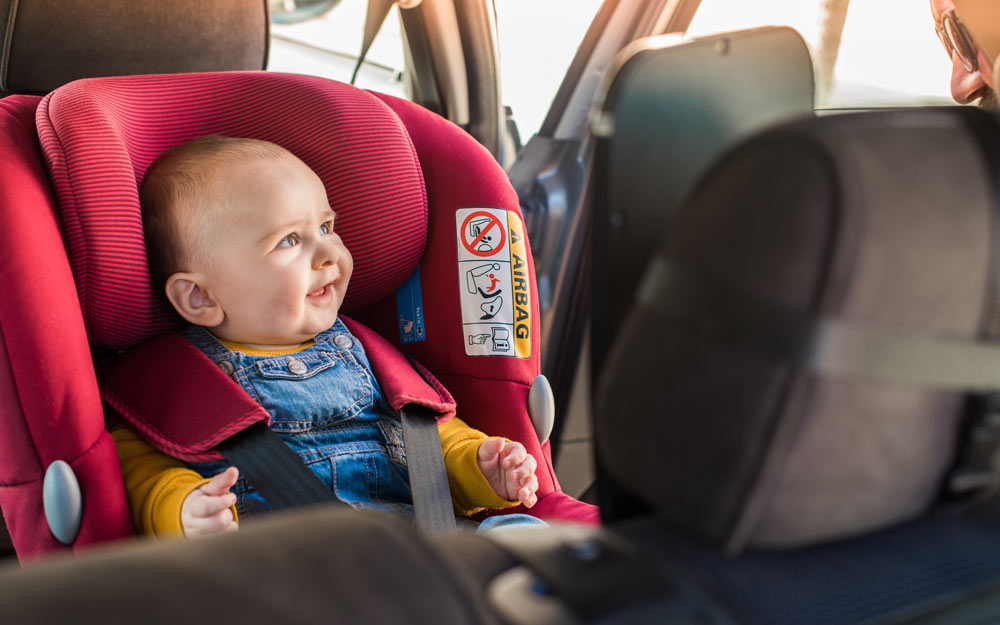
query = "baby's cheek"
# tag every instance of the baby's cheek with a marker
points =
(287, 303)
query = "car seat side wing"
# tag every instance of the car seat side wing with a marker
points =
(49, 404)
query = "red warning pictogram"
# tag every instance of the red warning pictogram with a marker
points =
(483, 234)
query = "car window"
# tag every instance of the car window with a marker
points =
(323, 38)
(888, 54)
(537, 41)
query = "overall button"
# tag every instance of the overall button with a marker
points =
(344, 341)
(297, 366)
(227, 367)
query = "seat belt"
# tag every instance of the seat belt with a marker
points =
(428, 479)
(375, 16)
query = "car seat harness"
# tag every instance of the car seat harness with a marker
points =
(213, 419)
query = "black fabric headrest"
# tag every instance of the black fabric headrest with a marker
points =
(48, 43)
(725, 405)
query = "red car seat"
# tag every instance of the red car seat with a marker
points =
(412, 191)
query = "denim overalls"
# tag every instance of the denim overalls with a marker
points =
(327, 407)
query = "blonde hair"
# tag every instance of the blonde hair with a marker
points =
(177, 187)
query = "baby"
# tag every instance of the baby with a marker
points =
(241, 238)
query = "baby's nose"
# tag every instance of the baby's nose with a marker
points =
(325, 256)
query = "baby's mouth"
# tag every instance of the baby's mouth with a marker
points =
(326, 288)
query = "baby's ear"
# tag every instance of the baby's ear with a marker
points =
(192, 302)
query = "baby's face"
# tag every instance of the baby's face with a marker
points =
(275, 265)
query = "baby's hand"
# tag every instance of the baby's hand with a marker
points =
(509, 469)
(206, 510)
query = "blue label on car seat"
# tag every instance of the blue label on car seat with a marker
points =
(410, 310)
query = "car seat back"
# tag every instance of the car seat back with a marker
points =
(795, 366)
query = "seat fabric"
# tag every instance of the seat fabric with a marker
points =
(49, 403)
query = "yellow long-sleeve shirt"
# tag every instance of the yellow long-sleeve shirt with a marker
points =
(157, 484)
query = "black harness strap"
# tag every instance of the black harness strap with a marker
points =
(274, 470)
(284, 481)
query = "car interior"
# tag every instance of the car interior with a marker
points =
(776, 325)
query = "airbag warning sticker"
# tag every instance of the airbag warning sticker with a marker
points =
(493, 282)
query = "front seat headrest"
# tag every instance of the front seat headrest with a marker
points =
(788, 373)
(48, 43)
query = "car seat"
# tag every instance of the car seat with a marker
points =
(811, 364)
(406, 184)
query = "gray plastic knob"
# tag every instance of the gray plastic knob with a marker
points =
(62, 501)
(542, 407)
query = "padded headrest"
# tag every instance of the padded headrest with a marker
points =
(759, 394)
(668, 110)
(100, 135)
(47, 43)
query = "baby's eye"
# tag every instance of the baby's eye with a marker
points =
(326, 227)
(290, 241)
